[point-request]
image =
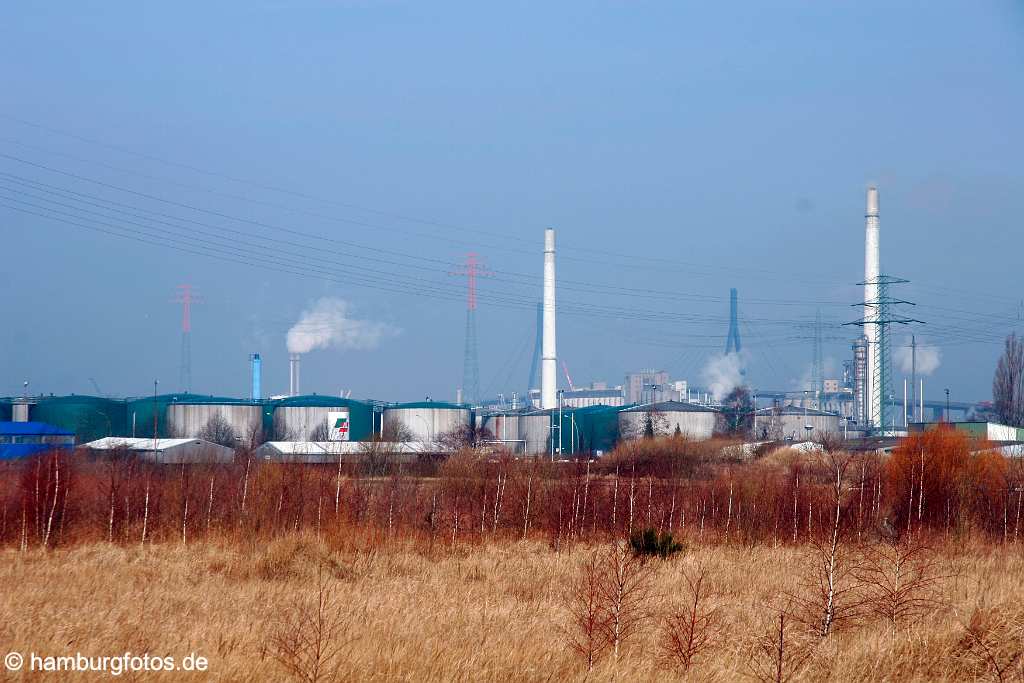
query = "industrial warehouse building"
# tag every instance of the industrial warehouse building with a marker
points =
(584, 398)
(332, 452)
(690, 420)
(990, 431)
(165, 451)
(21, 439)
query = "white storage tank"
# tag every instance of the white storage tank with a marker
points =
(219, 422)
(792, 422)
(301, 418)
(502, 428)
(426, 421)
(535, 431)
(693, 421)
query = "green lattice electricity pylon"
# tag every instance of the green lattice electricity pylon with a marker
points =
(881, 397)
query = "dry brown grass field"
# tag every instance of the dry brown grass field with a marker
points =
(829, 566)
(485, 612)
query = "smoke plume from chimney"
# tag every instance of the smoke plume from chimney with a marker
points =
(326, 324)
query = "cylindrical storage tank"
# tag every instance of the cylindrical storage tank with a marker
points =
(301, 418)
(502, 428)
(595, 429)
(535, 431)
(795, 421)
(666, 419)
(140, 412)
(6, 410)
(89, 417)
(424, 421)
(225, 423)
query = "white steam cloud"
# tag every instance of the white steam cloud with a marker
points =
(928, 358)
(723, 373)
(327, 324)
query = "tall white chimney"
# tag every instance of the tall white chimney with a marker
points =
(549, 368)
(874, 398)
(293, 374)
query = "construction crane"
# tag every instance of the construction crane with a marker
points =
(99, 392)
(565, 369)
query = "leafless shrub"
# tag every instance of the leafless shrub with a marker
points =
(830, 597)
(1008, 383)
(587, 633)
(457, 438)
(610, 603)
(653, 424)
(626, 592)
(830, 442)
(900, 579)
(993, 645)
(694, 628)
(218, 430)
(376, 457)
(321, 432)
(309, 641)
(396, 432)
(782, 651)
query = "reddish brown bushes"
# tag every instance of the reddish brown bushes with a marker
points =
(670, 485)
(933, 480)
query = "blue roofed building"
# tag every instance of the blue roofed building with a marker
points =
(21, 439)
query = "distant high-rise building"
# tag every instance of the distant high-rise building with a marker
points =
(644, 386)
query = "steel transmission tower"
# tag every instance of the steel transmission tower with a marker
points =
(732, 342)
(186, 296)
(538, 343)
(472, 269)
(881, 413)
(818, 365)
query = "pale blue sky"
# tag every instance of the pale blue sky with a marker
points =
(679, 149)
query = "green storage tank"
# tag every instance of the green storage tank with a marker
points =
(597, 429)
(139, 412)
(584, 430)
(89, 417)
(297, 417)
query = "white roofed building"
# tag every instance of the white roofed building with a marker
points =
(165, 451)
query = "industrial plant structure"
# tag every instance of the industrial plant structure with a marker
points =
(549, 361)
(301, 418)
(195, 418)
(21, 439)
(666, 418)
(793, 423)
(550, 422)
(425, 421)
(872, 352)
(873, 391)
